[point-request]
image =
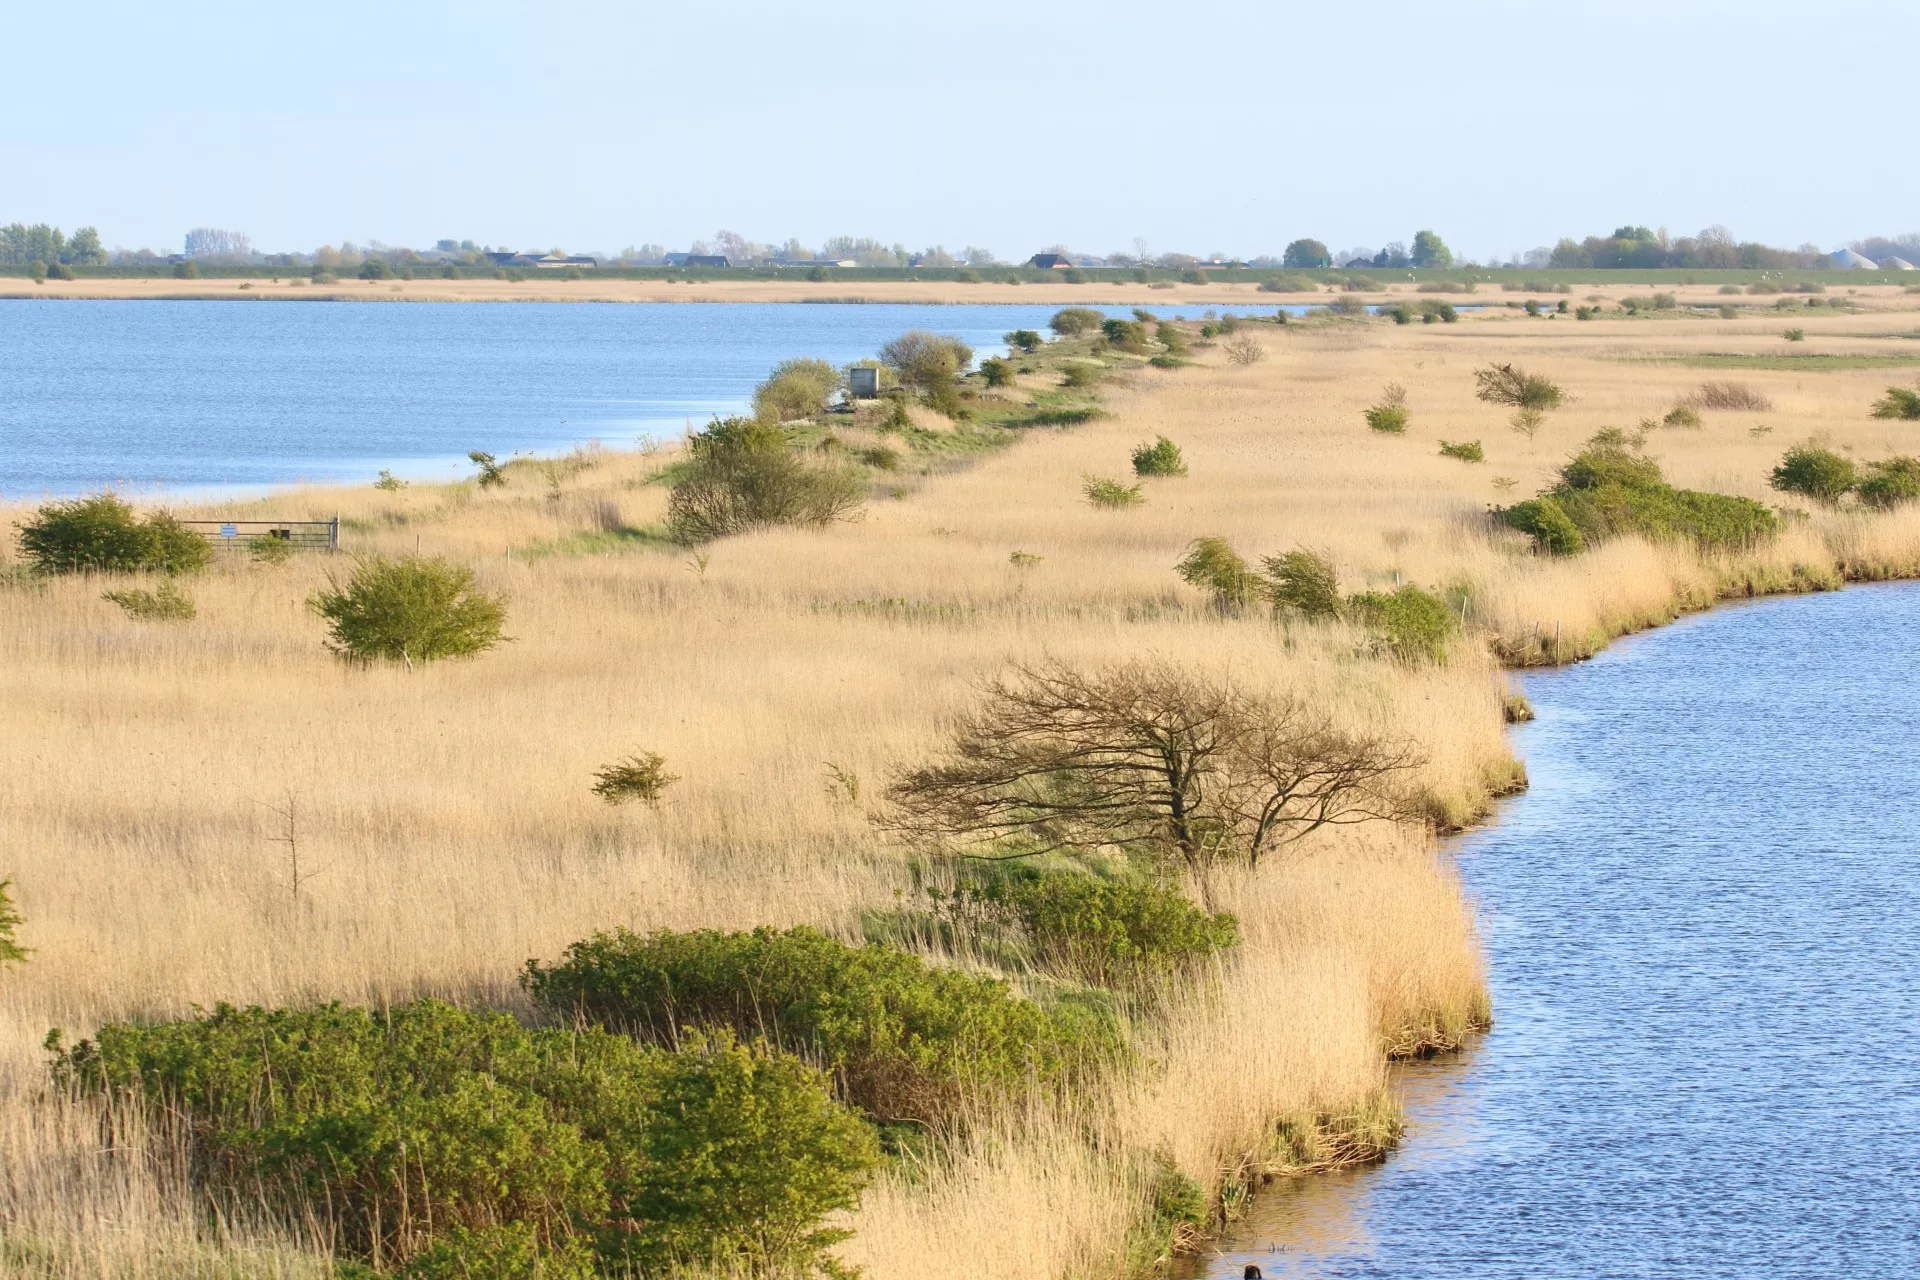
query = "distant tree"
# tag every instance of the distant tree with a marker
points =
(491, 475)
(1429, 250)
(797, 388)
(212, 242)
(85, 249)
(926, 361)
(1306, 254)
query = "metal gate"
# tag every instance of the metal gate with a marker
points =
(302, 535)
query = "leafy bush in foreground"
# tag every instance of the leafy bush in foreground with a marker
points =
(433, 1134)
(745, 475)
(1890, 482)
(1820, 474)
(101, 534)
(1608, 490)
(903, 1040)
(413, 609)
(1305, 582)
(1161, 458)
(1414, 625)
(1214, 566)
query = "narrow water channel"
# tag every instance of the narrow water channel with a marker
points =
(1704, 925)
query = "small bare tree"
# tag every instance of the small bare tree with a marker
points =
(1244, 349)
(1146, 757)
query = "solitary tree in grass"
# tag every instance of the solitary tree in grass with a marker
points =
(413, 609)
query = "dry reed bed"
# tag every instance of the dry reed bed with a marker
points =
(446, 817)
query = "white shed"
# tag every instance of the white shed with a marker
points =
(1847, 259)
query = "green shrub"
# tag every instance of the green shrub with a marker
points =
(1729, 313)
(798, 388)
(927, 362)
(1305, 582)
(1080, 374)
(61, 271)
(1125, 934)
(165, 603)
(492, 476)
(1890, 482)
(1390, 415)
(1681, 415)
(417, 1132)
(641, 777)
(509, 1252)
(879, 457)
(1412, 624)
(742, 474)
(101, 535)
(902, 1040)
(1060, 417)
(1102, 492)
(1161, 458)
(413, 609)
(1214, 566)
(1072, 321)
(1024, 340)
(997, 372)
(1899, 402)
(1170, 337)
(1464, 450)
(11, 952)
(188, 270)
(267, 549)
(1795, 335)
(1552, 530)
(1820, 474)
(1127, 335)
(1504, 384)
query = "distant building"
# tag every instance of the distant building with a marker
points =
(863, 381)
(1848, 260)
(699, 260)
(1049, 261)
(540, 261)
(1897, 264)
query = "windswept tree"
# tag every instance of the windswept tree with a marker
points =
(1147, 758)
(926, 362)
(745, 474)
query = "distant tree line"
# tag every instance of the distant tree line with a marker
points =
(1713, 249)
(22, 245)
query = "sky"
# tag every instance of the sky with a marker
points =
(1231, 127)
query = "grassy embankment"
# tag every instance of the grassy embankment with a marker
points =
(447, 812)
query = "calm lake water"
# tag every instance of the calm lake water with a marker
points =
(1703, 921)
(197, 395)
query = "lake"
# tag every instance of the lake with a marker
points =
(1702, 921)
(187, 395)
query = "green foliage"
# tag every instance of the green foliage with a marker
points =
(1681, 415)
(797, 388)
(431, 1135)
(1429, 250)
(388, 483)
(1214, 566)
(1547, 523)
(1507, 385)
(1024, 340)
(1390, 415)
(997, 372)
(743, 475)
(188, 270)
(11, 952)
(901, 1039)
(1306, 255)
(1413, 625)
(641, 777)
(1795, 335)
(411, 609)
(928, 363)
(492, 476)
(1080, 374)
(1161, 458)
(1899, 402)
(1820, 474)
(1127, 934)
(165, 603)
(1464, 450)
(1608, 490)
(1890, 482)
(100, 534)
(1070, 322)
(1102, 492)
(879, 457)
(1170, 337)
(267, 549)
(1127, 335)
(1304, 581)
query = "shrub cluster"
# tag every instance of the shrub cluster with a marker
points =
(1464, 450)
(165, 603)
(798, 388)
(1072, 321)
(101, 534)
(1161, 458)
(416, 1132)
(411, 609)
(1127, 335)
(743, 474)
(1826, 476)
(1411, 624)
(1609, 489)
(1103, 492)
(1899, 402)
(901, 1039)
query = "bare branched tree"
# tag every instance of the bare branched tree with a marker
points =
(1146, 757)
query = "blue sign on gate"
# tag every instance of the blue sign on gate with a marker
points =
(228, 531)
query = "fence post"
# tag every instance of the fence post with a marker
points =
(333, 534)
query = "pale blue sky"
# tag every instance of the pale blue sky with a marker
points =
(1222, 126)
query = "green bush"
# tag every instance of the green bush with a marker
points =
(509, 1252)
(1102, 492)
(641, 777)
(927, 362)
(1389, 416)
(1816, 473)
(798, 388)
(1507, 385)
(1608, 490)
(492, 474)
(1161, 458)
(1795, 335)
(165, 603)
(102, 535)
(1305, 582)
(267, 549)
(1024, 340)
(902, 1040)
(11, 952)
(1899, 402)
(1681, 415)
(1552, 530)
(1890, 482)
(413, 609)
(742, 474)
(1072, 321)
(59, 271)
(1464, 450)
(188, 270)
(1413, 625)
(1127, 335)
(1126, 934)
(425, 1132)
(1080, 374)
(997, 372)
(1214, 566)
